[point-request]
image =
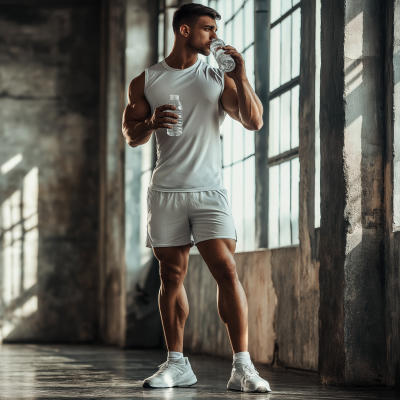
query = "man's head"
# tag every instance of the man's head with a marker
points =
(196, 24)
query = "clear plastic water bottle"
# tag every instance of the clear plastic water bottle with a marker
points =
(176, 128)
(225, 62)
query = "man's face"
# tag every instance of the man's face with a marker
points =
(201, 34)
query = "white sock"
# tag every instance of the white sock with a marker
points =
(174, 356)
(241, 358)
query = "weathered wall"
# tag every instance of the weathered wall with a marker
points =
(282, 319)
(49, 126)
(352, 327)
(392, 239)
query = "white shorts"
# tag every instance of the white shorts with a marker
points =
(179, 218)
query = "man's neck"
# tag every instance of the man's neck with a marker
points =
(181, 59)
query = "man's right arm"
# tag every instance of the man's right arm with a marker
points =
(137, 123)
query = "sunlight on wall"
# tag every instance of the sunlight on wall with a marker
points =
(354, 196)
(10, 164)
(19, 252)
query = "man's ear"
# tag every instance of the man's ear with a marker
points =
(184, 30)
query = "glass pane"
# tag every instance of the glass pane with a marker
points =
(286, 6)
(249, 61)
(273, 137)
(227, 146)
(286, 46)
(295, 200)
(248, 23)
(237, 203)
(275, 58)
(248, 143)
(237, 141)
(275, 10)
(228, 34)
(285, 122)
(228, 9)
(227, 177)
(295, 117)
(295, 2)
(238, 31)
(249, 204)
(273, 212)
(285, 237)
(296, 21)
(160, 36)
(237, 4)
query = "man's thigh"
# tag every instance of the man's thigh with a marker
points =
(174, 256)
(217, 252)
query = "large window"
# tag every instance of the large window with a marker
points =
(283, 138)
(236, 28)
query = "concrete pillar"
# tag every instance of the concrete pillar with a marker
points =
(111, 238)
(392, 189)
(143, 323)
(352, 332)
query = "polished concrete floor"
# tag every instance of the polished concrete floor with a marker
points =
(83, 372)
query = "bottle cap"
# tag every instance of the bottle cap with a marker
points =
(174, 97)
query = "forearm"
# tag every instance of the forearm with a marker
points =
(136, 132)
(250, 106)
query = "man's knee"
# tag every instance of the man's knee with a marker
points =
(226, 271)
(172, 274)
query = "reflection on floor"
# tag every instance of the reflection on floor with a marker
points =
(62, 372)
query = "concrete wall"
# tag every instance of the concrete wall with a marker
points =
(49, 159)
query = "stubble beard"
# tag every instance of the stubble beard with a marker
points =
(201, 50)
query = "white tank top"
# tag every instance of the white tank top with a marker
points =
(190, 162)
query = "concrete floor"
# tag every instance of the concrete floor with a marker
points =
(82, 372)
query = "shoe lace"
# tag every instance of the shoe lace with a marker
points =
(250, 370)
(172, 369)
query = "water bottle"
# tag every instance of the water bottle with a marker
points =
(225, 62)
(176, 128)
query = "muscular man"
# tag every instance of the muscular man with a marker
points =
(187, 202)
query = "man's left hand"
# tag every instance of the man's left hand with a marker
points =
(239, 73)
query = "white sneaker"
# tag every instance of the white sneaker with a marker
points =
(246, 379)
(172, 374)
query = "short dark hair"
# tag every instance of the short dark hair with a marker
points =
(190, 13)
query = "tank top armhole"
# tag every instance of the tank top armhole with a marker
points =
(146, 81)
(223, 84)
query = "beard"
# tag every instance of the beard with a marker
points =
(205, 51)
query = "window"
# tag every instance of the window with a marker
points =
(283, 137)
(236, 28)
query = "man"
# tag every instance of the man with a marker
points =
(186, 196)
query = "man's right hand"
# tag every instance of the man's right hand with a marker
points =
(161, 119)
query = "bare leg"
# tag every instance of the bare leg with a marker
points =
(173, 303)
(232, 302)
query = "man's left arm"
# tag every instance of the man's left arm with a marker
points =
(238, 98)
